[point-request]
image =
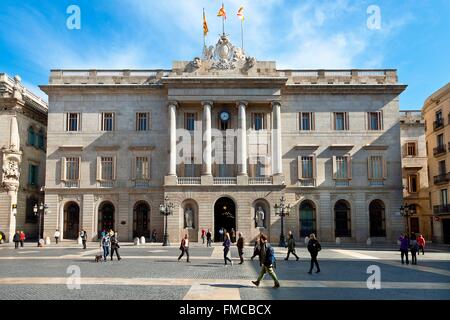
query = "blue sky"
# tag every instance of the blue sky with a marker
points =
(413, 38)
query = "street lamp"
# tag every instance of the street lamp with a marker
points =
(38, 212)
(407, 211)
(282, 210)
(166, 209)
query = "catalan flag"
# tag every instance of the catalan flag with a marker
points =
(205, 24)
(240, 13)
(222, 12)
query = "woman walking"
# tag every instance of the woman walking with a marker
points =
(184, 247)
(314, 248)
(22, 238)
(291, 246)
(115, 247)
(106, 245)
(404, 247)
(16, 239)
(57, 235)
(226, 248)
(421, 243)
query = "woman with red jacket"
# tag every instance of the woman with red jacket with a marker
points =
(421, 243)
(22, 238)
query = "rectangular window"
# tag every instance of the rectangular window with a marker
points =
(107, 168)
(72, 169)
(306, 121)
(341, 121)
(107, 121)
(341, 167)
(413, 183)
(375, 120)
(442, 167)
(440, 140)
(33, 175)
(73, 122)
(307, 167)
(411, 149)
(142, 121)
(189, 121)
(142, 168)
(444, 200)
(377, 168)
(258, 121)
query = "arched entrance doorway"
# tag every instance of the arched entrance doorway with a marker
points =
(307, 218)
(105, 217)
(141, 220)
(342, 217)
(224, 216)
(71, 221)
(377, 219)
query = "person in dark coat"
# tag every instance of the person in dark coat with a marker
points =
(115, 247)
(404, 247)
(291, 246)
(414, 251)
(208, 238)
(226, 248)
(268, 262)
(16, 239)
(314, 247)
(83, 236)
(240, 247)
(256, 248)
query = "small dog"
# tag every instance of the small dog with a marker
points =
(98, 258)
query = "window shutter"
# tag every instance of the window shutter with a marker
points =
(63, 169)
(99, 168)
(349, 167)
(114, 169)
(313, 121)
(369, 171)
(334, 167)
(133, 168)
(149, 170)
(66, 118)
(299, 167)
(384, 168)
(314, 164)
(251, 167)
(380, 119)
(347, 124)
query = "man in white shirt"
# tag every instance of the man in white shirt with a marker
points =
(57, 235)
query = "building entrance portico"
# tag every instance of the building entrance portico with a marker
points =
(224, 217)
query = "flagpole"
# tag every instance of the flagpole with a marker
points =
(204, 35)
(242, 34)
(223, 22)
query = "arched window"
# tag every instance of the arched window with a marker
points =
(342, 216)
(141, 220)
(307, 218)
(31, 136)
(377, 219)
(40, 138)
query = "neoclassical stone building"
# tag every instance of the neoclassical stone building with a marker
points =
(223, 137)
(23, 126)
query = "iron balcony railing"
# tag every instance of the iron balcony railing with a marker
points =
(439, 123)
(441, 178)
(440, 209)
(439, 150)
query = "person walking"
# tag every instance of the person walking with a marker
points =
(57, 235)
(268, 262)
(291, 246)
(314, 247)
(83, 236)
(115, 247)
(256, 248)
(404, 247)
(421, 243)
(226, 248)
(203, 235)
(154, 235)
(22, 238)
(106, 245)
(240, 247)
(16, 239)
(221, 234)
(208, 238)
(414, 250)
(184, 247)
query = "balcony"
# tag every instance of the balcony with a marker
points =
(225, 180)
(441, 209)
(259, 180)
(141, 183)
(106, 184)
(439, 150)
(307, 182)
(342, 183)
(442, 178)
(438, 124)
(72, 184)
(188, 180)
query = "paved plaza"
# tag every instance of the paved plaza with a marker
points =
(151, 272)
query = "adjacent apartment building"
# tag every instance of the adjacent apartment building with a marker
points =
(23, 126)
(436, 111)
(224, 137)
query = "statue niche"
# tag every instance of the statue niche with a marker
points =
(189, 218)
(260, 218)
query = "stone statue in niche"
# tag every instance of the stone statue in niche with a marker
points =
(12, 171)
(189, 218)
(260, 216)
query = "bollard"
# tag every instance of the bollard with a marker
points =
(142, 240)
(47, 241)
(306, 240)
(338, 240)
(79, 240)
(136, 241)
(369, 241)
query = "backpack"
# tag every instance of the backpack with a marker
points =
(270, 256)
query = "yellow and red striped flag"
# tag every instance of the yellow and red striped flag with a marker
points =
(205, 24)
(222, 12)
(240, 13)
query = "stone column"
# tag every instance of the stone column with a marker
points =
(207, 156)
(173, 138)
(242, 139)
(276, 139)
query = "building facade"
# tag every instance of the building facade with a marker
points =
(437, 128)
(224, 137)
(415, 173)
(23, 124)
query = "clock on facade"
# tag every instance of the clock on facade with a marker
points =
(224, 116)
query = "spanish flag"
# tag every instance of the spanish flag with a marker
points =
(222, 12)
(205, 24)
(240, 13)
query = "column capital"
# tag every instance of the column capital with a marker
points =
(172, 103)
(242, 102)
(275, 103)
(209, 103)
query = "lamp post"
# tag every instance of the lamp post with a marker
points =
(282, 210)
(38, 211)
(407, 211)
(166, 209)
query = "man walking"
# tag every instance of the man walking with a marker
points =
(83, 235)
(314, 247)
(57, 235)
(256, 248)
(421, 243)
(16, 239)
(240, 247)
(291, 246)
(208, 238)
(404, 247)
(184, 247)
(115, 247)
(106, 245)
(268, 262)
